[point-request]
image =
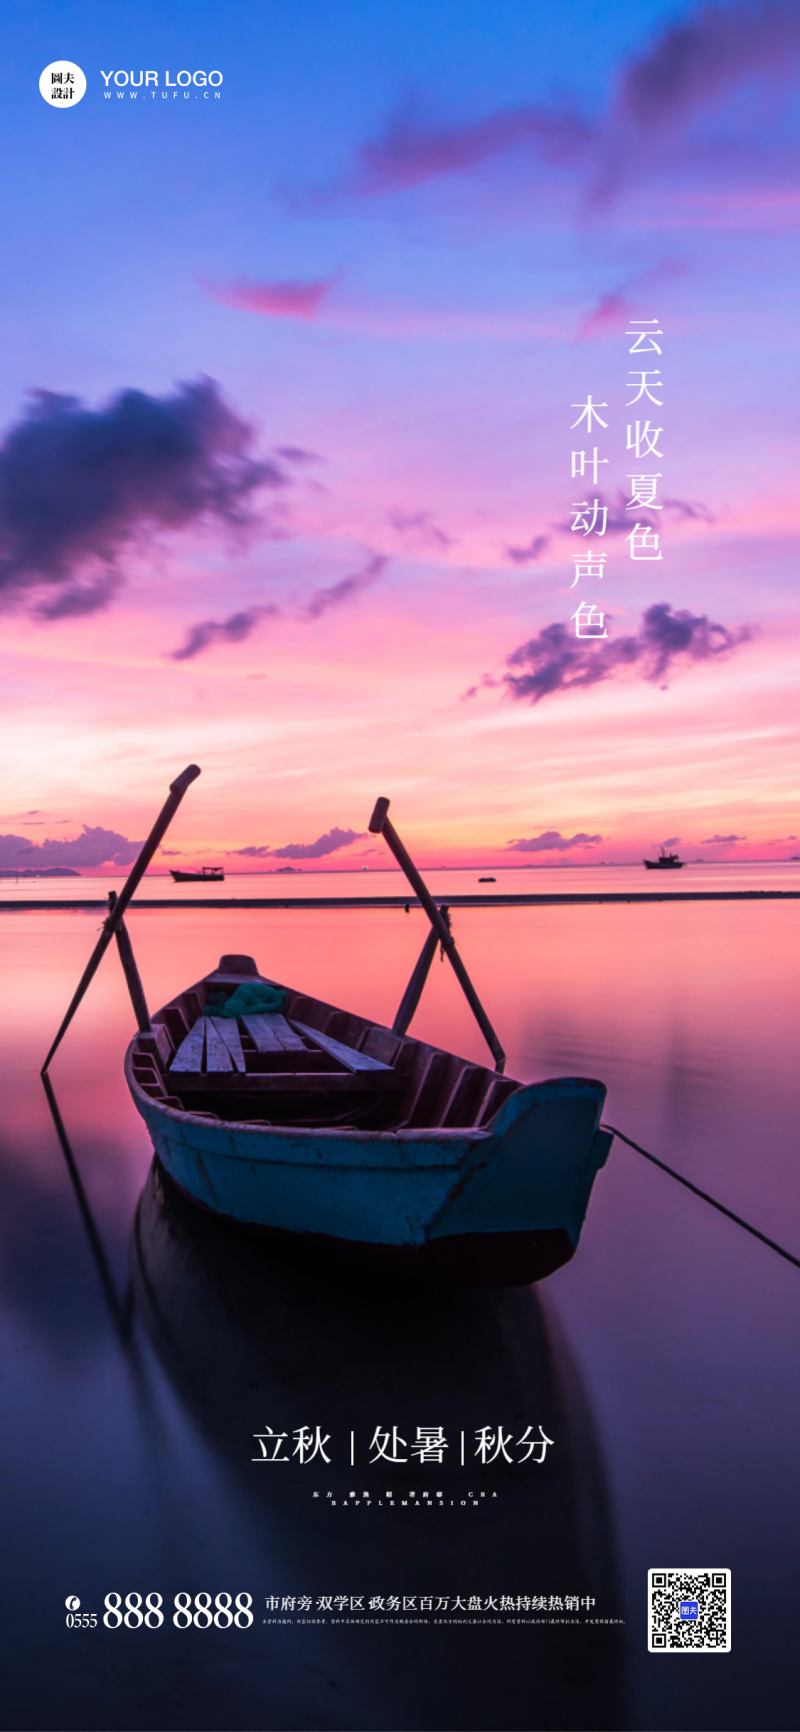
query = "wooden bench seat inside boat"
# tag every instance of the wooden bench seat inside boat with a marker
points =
(311, 1064)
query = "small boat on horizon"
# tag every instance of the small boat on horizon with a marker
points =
(665, 863)
(206, 875)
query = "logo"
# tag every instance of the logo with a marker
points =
(62, 84)
(689, 1609)
(72, 1603)
(198, 85)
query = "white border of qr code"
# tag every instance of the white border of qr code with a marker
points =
(657, 1643)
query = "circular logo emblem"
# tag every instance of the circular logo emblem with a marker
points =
(62, 84)
(72, 1603)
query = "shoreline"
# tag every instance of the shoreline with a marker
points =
(554, 899)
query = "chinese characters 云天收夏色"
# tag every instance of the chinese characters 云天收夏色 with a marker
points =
(591, 516)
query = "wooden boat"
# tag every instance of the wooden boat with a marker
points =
(206, 875)
(347, 1139)
(665, 863)
(344, 1139)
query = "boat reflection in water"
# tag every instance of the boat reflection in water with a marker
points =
(251, 1340)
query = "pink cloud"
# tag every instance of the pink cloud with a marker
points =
(313, 300)
(290, 300)
(611, 313)
(615, 308)
(757, 207)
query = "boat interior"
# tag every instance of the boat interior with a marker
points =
(309, 1065)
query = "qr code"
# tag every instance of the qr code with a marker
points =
(689, 1611)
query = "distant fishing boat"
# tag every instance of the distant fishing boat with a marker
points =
(346, 1140)
(487, 880)
(665, 863)
(206, 875)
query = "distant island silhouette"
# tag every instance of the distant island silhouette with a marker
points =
(38, 872)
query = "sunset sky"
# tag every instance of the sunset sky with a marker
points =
(294, 499)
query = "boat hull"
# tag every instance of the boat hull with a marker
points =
(502, 1206)
(514, 1259)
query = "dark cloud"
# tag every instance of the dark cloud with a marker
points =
(534, 550)
(239, 626)
(327, 844)
(208, 632)
(278, 300)
(556, 660)
(336, 593)
(80, 486)
(716, 841)
(81, 598)
(94, 847)
(695, 61)
(419, 529)
(551, 840)
(670, 841)
(411, 149)
(688, 66)
(297, 454)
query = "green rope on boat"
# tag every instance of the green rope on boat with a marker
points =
(252, 999)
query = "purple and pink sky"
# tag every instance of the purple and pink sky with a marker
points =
(286, 431)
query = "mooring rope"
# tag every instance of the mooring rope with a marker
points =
(705, 1196)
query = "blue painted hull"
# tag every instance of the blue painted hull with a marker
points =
(500, 1205)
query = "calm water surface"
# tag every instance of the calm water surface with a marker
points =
(664, 1356)
(445, 881)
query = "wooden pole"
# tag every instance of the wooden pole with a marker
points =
(413, 992)
(381, 824)
(131, 971)
(177, 790)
